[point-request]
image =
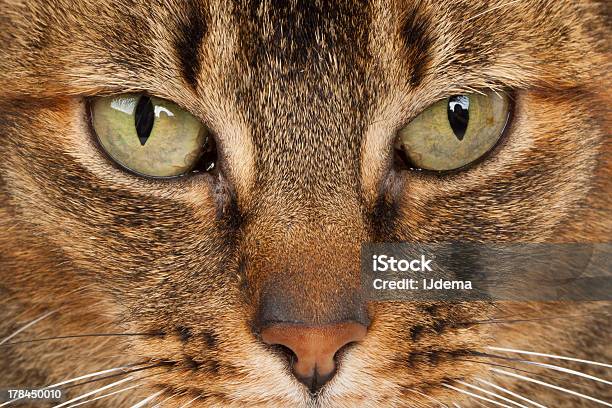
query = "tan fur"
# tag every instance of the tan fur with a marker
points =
(305, 100)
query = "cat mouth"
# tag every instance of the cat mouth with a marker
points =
(189, 379)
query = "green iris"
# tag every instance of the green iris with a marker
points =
(455, 131)
(148, 135)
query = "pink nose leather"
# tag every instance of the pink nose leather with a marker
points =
(314, 347)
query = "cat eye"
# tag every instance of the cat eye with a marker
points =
(151, 136)
(453, 132)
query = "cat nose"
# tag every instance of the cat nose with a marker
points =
(314, 348)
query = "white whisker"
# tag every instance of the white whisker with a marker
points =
(497, 387)
(189, 402)
(144, 401)
(532, 353)
(471, 394)
(492, 9)
(110, 370)
(33, 322)
(159, 404)
(494, 394)
(10, 401)
(104, 396)
(568, 371)
(94, 392)
(555, 387)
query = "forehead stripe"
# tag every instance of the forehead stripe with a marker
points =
(417, 42)
(190, 33)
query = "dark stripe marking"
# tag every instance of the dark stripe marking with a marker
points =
(415, 33)
(190, 34)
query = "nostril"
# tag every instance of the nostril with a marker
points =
(342, 350)
(285, 352)
(315, 382)
(312, 350)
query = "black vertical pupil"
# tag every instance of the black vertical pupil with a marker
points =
(458, 114)
(144, 118)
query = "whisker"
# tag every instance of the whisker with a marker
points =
(532, 353)
(568, 371)
(33, 322)
(189, 402)
(82, 377)
(76, 379)
(520, 360)
(494, 394)
(525, 316)
(496, 356)
(511, 368)
(545, 384)
(114, 375)
(104, 396)
(137, 385)
(515, 395)
(471, 394)
(492, 9)
(111, 385)
(159, 404)
(146, 400)
(558, 379)
(510, 321)
(77, 336)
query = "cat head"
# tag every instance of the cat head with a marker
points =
(302, 103)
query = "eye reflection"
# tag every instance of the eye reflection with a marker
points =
(459, 114)
(160, 109)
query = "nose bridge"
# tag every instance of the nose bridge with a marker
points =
(312, 281)
(307, 136)
(304, 265)
(309, 161)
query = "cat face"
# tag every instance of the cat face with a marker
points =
(304, 102)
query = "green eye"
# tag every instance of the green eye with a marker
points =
(453, 132)
(151, 136)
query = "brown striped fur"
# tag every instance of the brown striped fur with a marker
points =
(304, 98)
